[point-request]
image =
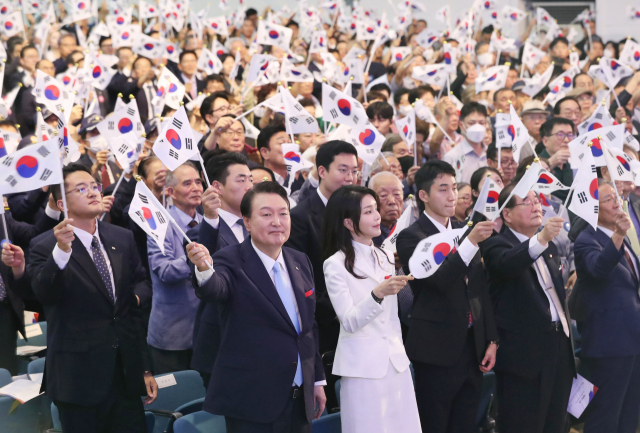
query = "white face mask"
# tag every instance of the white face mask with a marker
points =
(428, 54)
(475, 133)
(485, 59)
(608, 53)
(484, 102)
(98, 143)
(404, 109)
(260, 111)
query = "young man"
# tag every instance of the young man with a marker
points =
(451, 311)
(174, 303)
(88, 276)
(337, 163)
(188, 67)
(508, 165)
(268, 375)
(535, 367)
(269, 143)
(471, 150)
(380, 115)
(556, 134)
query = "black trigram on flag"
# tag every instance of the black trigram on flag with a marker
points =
(131, 111)
(293, 120)
(46, 79)
(142, 220)
(45, 174)
(598, 115)
(334, 113)
(111, 125)
(143, 198)
(43, 151)
(582, 197)
(593, 167)
(11, 180)
(332, 95)
(309, 120)
(7, 161)
(188, 143)
(620, 171)
(177, 123)
(173, 154)
(160, 217)
(595, 209)
(426, 265)
(611, 136)
(123, 148)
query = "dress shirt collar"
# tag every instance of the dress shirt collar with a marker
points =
(605, 230)
(267, 261)
(520, 236)
(187, 80)
(439, 226)
(323, 198)
(467, 149)
(365, 250)
(85, 237)
(184, 218)
(228, 217)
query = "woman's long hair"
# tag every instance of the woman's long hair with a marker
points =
(344, 204)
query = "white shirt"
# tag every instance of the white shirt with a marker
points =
(231, 220)
(149, 91)
(279, 179)
(466, 249)
(62, 259)
(184, 219)
(610, 233)
(323, 198)
(472, 161)
(535, 249)
(268, 263)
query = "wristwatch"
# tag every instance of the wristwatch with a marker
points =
(495, 342)
(375, 298)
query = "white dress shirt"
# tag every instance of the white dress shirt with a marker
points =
(610, 233)
(323, 198)
(231, 220)
(466, 249)
(62, 259)
(472, 161)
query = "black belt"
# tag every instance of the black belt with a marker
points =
(296, 392)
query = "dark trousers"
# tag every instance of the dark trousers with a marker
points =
(169, 361)
(292, 420)
(615, 408)
(8, 336)
(448, 397)
(538, 405)
(206, 378)
(120, 412)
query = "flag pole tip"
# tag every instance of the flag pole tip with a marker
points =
(38, 109)
(137, 178)
(181, 103)
(489, 174)
(536, 160)
(410, 197)
(528, 167)
(470, 223)
(119, 95)
(265, 179)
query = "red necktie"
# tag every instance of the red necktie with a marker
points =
(105, 177)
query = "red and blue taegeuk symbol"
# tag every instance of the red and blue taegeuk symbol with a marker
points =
(3, 149)
(596, 148)
(81, 5)
(125, 35)
(440, 252)
(511, 131)
(146, 212)
(273, 34)
(344, 106)
(174, 139)
(27, 166)
(172, 88)
(492, 197)
(447, 58)
(566, 82)
(52, 92)
(120, 20)
(624, 163)
(170, 49)
(96, 72)
(595, 125)
(292, 156)
(125, 125)
(545, 179)
(493, 77)
(148, 47)
(66, 80)
(8, 25)
(367, 137)
(543, 200)
(593, 189)
(264, 67)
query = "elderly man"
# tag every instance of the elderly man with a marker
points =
(173, 311)
(389, 190)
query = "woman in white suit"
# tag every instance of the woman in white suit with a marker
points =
(376, 392)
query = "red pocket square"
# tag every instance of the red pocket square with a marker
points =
(309, 293)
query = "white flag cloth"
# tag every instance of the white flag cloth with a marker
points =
(431, 74)
(147, 10)
(513, 15)
(407, 128)
(219, 26)
(398, 54)
(423, 112)
(531, 55)
(122, 121)
(149, 47)
(172, 51)
(599, 119)
(169, 88)
(635, 169)
(96, 73)
(613, 135)
(618, 163)
(543, 17)
(295, 74)
(250, 131)
(11, 24)
(431, 252)
(630, 140)
(450, 58)
(443, 14)
(126, 148)
(535, 84)
(209, 62)
(298, 119)
(7, 101)
(548, 183)
(51, 93)
(148, 213)
(492, 78)
(31, 168)
(584, 201)
(9, 142)
(272, 34)
(527, 181)
(318, 42)
(389, 244)
(547, 209)
(368, 141)
(44, 132)
(258, 66)
(427, 38)
(67, 146)
(175, 143)
(630, 54)
(502, 43)
(293, 159)
(487, 203)
(354, 71)
(614, 71)
(343, 109)
(366, 30)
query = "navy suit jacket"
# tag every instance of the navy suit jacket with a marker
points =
(206, 330)
(253, 375)
(609, 291)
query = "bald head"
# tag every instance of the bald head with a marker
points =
(389, 190)
(383, 179)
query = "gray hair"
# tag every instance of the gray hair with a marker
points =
(170, 178)
(379, 164)
(379, 177)
(230, 42)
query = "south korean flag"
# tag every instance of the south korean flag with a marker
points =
(492, 78)
(169, 88)
(295, 74)
(298, 119)
(272, 34)
(51, 93)
(340, 108)
(31, 168)
(407, 128)
(175, 144)
(148, 47)
(126, 149)
(123, 121)
(96, 73)
(293, 159)
(209, 62)
(146, 211)
(67, 146)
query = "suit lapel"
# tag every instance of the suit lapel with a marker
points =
(226, 235)
(255, 270)
(297, 282)
(115, 256)
(82, 257)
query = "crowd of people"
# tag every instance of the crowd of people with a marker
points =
(297, 227)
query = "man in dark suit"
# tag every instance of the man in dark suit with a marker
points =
(230, 179)
(535, 363)
(187, 69)
(337, 163)
(141, 84)
(268, 375)
(86, 275)
(608, 277)
(452, 336)
(13, 292)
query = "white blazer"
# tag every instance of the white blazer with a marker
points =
(370, 333)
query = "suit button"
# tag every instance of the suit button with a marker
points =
(295, 364)
(115, 346)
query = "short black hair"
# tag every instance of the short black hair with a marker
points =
(224, 56)
(307, 102)
(480, 174)
(144, 165)
(329, 150)
(503, 89)
(218, 166)
(25, 48)
(556, 108)
(397, 97)
(415, 94)
(492, 151)
(547, 127)
(133, 65)
(557, 40)
(207, 104)
(580, 75)
(472, 107)
(267, 132)
(66, 171)
(216, 78)
(381, 87)
(384, 110)
(69, 59)
(9, 123)
(504, 195)
(250, 12)
(261, 188)
(428, 173)
(184, 53)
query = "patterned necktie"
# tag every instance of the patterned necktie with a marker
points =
(632, 233)
(103, 268)
(629, 261)
(245, 233)
(104, 177)
(192, 224)
(3, 290)
(405, 296)
(286, 295)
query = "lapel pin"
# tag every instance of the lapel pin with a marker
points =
(297, 268)
(550, 256)
(113, 248)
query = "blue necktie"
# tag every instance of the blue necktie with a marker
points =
(285, 295)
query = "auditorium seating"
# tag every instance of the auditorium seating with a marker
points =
(327, 424)
(200, 422)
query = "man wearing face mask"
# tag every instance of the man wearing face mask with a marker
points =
(471, 151)
(484, 57)
(97, 157)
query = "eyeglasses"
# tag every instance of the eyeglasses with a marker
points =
(507, 163)
(464, 199)
(344, 172)
(529, 202)
(224, 107)
(562, 135)
(569, 113)
(230, 133)
(83, 189)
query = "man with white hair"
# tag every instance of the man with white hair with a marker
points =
(389, 190)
